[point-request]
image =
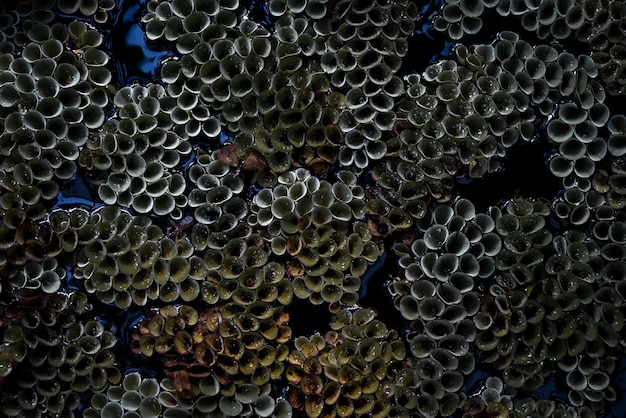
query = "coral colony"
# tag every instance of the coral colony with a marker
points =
(274, 225)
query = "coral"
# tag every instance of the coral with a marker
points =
(52, 96)
(276, 224)
(131, 158)
(235, 344)
(346, 371)
(316, 224)
(53, 350)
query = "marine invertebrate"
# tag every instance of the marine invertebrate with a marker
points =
(57, 351)
(135, 152)
(497, 400)
(460, 18)
(283, 151)
(216, 197)
(28, 239)
(51, 98)
(588, 22)
(46, 275)
(436, 293)
(127, 260)
(98, 9)
(363, 54)
(235, 345)
(314, 222)
(344, 372)
(148, 397)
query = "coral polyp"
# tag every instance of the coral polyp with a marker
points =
(283, 220)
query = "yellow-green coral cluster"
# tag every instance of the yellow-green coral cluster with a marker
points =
(147, 397)
(349, 371)
(125, 260)
(316, 224)
(498, 400)
(234, 344)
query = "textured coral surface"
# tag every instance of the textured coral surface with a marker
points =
(312, 208)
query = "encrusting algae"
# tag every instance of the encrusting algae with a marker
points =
(295, 156)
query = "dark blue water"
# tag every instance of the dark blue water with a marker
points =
(136, 59)
(78, 192)
(618, 410)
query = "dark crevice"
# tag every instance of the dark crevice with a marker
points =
(524, 174)
(426, 45)
(375, 295)
(306, 319)
(424, 49)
